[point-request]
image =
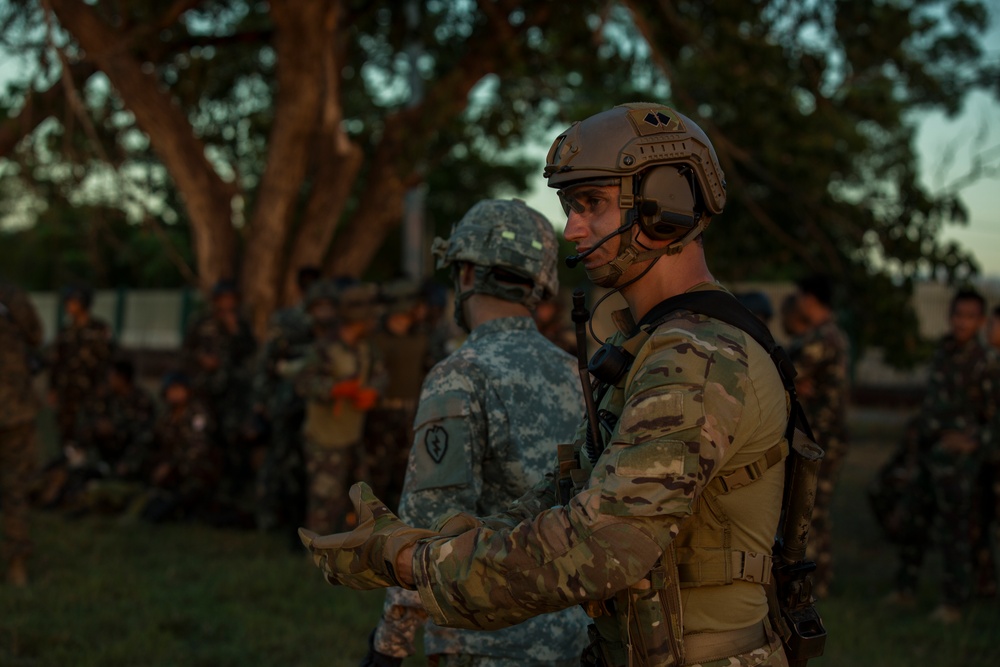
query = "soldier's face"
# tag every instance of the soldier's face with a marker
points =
(592, 213)
(966, 320)
(176, 394)
(74, 307)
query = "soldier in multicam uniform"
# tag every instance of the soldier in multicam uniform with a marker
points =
(218, 352)
(20, 336)
(821, 356)
(340, 378)
(281, 477)
(479, 442)
(403, 343)
(81, 356)
(668, 542)
(938, 464)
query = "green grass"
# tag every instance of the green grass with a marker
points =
(107, 593)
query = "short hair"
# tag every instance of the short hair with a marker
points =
(819, 286)
(124, 368)
(225, 286)
(968, 294)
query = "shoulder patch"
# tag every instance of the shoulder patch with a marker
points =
(441, 452)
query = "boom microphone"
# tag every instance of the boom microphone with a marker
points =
(573, 260)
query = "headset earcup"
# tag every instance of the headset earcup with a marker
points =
(666, 204)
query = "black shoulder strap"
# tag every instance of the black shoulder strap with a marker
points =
(725, 307)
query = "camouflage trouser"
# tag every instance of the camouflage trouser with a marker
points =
(936, 509)
(67, 414)
(18, 458)
(820, 549)
(281, 480)
(984, 531)
(388, 436)
(329, 472)
(461, 660)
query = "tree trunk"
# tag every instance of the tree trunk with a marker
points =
(207, 198)
(337, 161)
(301, 31)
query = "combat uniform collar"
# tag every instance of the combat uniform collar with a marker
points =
(520, 323)
(626, 324)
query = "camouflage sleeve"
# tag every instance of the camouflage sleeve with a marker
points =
(444, 472)
(675, 429)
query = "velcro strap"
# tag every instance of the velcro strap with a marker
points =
(750, 473)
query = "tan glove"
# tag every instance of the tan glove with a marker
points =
(455, 523)
(364, 558)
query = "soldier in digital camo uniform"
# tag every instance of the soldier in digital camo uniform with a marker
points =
(490, 417)
(668, 541)
(821, 358)
(20, 336)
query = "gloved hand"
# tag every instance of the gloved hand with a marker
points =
(376, 659)
(456, 523)
(345, 389)
(365, 399)
(364, 558)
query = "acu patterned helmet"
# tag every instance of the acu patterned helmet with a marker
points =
(513, 247)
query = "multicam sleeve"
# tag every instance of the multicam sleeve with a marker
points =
(673, 432)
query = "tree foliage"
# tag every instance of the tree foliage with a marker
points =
(285, 133)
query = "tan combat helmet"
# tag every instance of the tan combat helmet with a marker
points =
(513, 247)
(670, 177)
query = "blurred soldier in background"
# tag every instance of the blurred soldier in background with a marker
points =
(20, 337)
(281, 477)
(927, 489)
(987, 499)
(78, 369)
(80, 358)
(112, 434)
(403, 343)
(340, 377)
(793, 323)
(218, 353)
(490, 418)
(759, 304)
(553, 322)
(821, 356)
(184, 465)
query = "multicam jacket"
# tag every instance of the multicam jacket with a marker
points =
(489, 419)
